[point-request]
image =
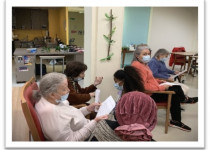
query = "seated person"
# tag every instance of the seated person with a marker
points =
(159, 70)
(140, 61)
(75, 71)
(127, 80)
(158, 67)
(59, 120)
(136, 113)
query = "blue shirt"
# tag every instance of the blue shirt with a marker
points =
(159, 69)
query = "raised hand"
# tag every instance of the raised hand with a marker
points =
(98, 81)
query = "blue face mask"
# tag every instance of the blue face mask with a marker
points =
(63, 98)
(78, 79)
(120, 88)
(146, 59)
(164, 59)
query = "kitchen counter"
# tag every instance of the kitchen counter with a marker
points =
(23, 51)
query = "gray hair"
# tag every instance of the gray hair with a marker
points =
(138, 50)
(161, 51)
(48, 84)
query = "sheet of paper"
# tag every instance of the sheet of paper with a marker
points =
(106, 107)
(167, 83)
(174, 76)
(97, 94)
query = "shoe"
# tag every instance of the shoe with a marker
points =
(191, 100)
(195, 98)
(182, 109)
(179, 125)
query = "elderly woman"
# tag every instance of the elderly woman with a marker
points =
(75, 72)
(140, 62)
(158, 67)
(59, 120)
(159, 70)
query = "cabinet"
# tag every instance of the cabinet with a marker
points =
(24, 18)
(25, 67)
(39, 19)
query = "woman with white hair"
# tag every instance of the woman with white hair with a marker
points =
(158, 67)
(159, 70)
(59, 120)
(140, 62)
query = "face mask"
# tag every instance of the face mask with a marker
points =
(120, 88)
(146, 59)
(63, 98)
(164, 59)
(78, 79)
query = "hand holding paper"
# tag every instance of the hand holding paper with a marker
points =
(92, 106)
(106, 107)
(174, 76)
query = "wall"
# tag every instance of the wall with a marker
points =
(53, 17)
(29, 34)
(167, 27)
(173, 26)
(135, 28)
(63, 19)
(76, 24)
(96, 48)
(58, 23)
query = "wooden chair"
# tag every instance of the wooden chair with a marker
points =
(30, 112)
(164, 105)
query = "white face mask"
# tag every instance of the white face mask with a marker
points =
(164, 59)
(78, 79)
(117, 86)
(63, 98)
(146, 58)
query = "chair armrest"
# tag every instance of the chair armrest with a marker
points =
(161, 92)
(79, 106)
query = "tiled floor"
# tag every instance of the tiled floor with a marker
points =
(189, 117)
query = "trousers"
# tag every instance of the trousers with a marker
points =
(175, 109)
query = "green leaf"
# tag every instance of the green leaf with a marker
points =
(106, 38)
(108, 57)
(113, 30)
(103, 59)
(107, 16)
(112, 41)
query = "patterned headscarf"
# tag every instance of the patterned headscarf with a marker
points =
(136, 113)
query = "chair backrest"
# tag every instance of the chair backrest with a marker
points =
(29, 110)
(178, 57)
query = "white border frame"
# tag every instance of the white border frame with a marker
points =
(90, 3)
